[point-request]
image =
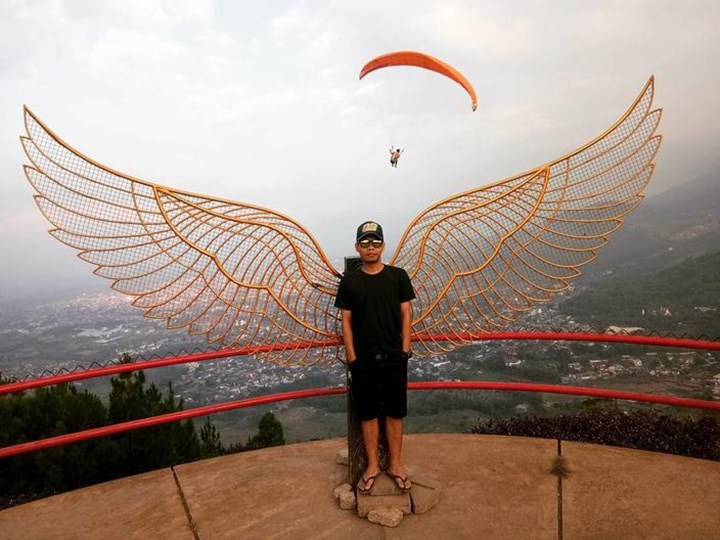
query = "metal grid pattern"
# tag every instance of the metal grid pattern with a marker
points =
(246, 276)
(481, 258)
(240, 274)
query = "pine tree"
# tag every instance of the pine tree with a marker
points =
(270, 433)
(210, 445)
(46, 413)
(155, 447)
(63, 409)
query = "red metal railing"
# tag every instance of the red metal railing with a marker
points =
(301, 394)
(226, 353)
(316, 392)
(658, 341)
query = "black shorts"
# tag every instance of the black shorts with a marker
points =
(380, 386)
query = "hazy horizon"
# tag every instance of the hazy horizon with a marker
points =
(263, 104)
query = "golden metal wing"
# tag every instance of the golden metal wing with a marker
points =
(481, 258)
(240, 274)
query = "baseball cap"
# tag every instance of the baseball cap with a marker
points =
(369, 228)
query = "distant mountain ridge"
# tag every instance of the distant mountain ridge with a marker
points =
(666, 229)
(683, 298)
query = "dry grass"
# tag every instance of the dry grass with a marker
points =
(560, 467)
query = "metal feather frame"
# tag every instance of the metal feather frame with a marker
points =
(243, 275)
(481, 258)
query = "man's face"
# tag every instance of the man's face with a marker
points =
(370, 249)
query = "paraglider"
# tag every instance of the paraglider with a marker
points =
(421, 60)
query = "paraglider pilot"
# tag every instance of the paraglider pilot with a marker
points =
(395, 155)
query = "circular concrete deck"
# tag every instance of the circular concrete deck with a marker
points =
(493, 487)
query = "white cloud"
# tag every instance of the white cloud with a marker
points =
(218, 65)
(154, 14)
(289, 22)
(189, 11)
(123, 51)
(469, 30)
(209, 104)
(307, 31)
(323, 42)
(214, 39)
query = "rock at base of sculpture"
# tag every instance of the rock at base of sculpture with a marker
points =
(347, 500)
(341, 489)
(367, 502)
(342, 457)
(387, 517)
(424, 494)
(386, 501)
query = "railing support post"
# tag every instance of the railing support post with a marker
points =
(357, 458)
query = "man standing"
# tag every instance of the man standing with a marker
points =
(375, 305)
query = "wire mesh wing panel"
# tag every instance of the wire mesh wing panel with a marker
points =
(239, 274)
(481, 258)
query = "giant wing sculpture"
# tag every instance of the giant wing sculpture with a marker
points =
(481, 258)
(246, 276)
(242, 275)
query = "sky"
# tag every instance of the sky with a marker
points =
(260, 102)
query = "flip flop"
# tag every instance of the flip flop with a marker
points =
(365, 481)
(401, 482)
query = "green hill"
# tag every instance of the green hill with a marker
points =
(684, 298)
(666, 228)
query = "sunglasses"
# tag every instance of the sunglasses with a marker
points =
(367, 243)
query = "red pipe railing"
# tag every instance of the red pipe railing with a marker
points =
(684, 343)
(226, 353)
(21, 386)
(316, 392)
(585, 391)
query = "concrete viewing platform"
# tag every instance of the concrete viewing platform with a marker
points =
(492, 487)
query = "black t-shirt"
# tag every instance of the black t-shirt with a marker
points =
(374, 300)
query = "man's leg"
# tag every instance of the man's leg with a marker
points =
(396, 406)
(367, 403)
(371, 433)
(394, 429)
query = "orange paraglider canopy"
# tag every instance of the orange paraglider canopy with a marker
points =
(418, 59)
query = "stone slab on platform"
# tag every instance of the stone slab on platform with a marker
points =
(366, 503)
(619, 493)
(425, 494)
(384, 485)
(143, 506)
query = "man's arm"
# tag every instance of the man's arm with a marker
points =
(405, 315)
(347, 335)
